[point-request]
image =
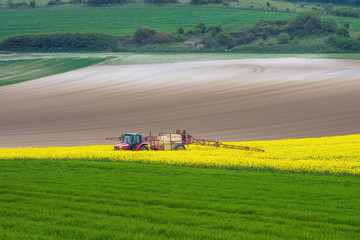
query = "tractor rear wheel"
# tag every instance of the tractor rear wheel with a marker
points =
(144, 148)
(180, 147)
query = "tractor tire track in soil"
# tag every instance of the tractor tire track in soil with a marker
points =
(232, 100)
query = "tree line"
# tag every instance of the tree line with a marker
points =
(338, 2)
(58, 42)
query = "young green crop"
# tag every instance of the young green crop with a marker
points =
(15, 71)
(112, 200)
(123, 20)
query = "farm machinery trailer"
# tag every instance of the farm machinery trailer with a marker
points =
(168, 141)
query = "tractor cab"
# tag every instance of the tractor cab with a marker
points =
(132, 141)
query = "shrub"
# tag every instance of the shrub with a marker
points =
(208, 41)
(346, 12)
(305, 23)
(345, 43)
(328, 7)
(160, 2)
(250, 37)
(180, 30)
(17, 5)
(143, 35)
(97, 3)
(242, 38)
(197, 31)
(189, 32)
(59, 42)
(214, 30)
(328, 25)
(178, 38)
(342, 32)
(126, 38)
(161, 38)
(54, 2)
(32, 4)
(266, 28)
(200, 26)
(199, 2)
(225, 40)
(274, 30)
(262, 48)
(283, 38)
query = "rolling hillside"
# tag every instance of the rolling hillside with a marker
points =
(124, 20)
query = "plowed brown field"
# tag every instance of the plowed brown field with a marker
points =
(230, 100)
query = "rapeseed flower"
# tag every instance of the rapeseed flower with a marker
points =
(334, 155)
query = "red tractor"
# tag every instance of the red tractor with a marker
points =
(136, 142)
(168, 141)
(132, 141)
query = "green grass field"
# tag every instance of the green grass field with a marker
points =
(126, 19)
(15, 71)
(123, 20)
(104, 200)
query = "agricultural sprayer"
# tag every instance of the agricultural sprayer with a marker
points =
(168, 141)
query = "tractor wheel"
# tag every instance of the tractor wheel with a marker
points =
(144, 148)
(180, 147)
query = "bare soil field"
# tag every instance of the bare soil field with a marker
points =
(232, 100)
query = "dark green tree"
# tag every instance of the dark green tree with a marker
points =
(161, 38)
(160, 2)
(328, 24)
(180, 30)
(201, 26)
(305, 23)
(98, 3)
(214, 30)
(143, 35)
(225, 40)
(199, 2)
(342, 32)
(32, 4)
(283, 38)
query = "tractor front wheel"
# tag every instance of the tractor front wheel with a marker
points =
(144, 148)
(180, 147)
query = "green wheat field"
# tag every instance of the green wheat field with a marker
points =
(104, 200)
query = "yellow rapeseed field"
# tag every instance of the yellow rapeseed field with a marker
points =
(335, 155)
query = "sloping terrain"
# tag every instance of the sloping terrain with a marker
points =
(229, 100)
(15, 71)
(122, 20)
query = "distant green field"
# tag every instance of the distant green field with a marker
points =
(126, 19)
(15, 71)
(123, 20)
(104, 200)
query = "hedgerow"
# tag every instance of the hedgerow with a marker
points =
(59, 42)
